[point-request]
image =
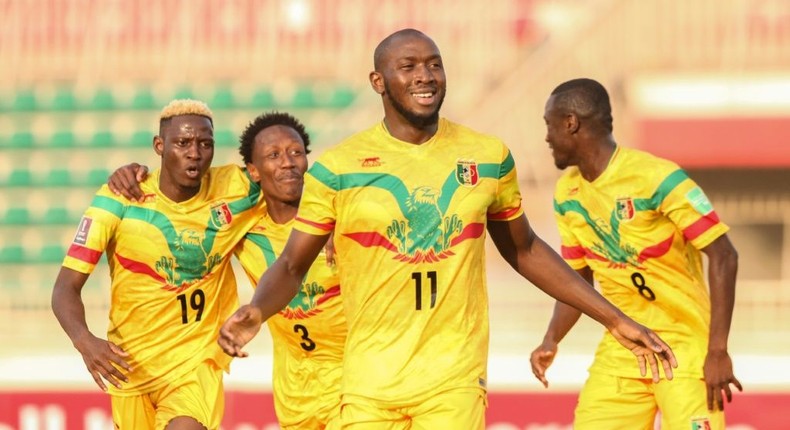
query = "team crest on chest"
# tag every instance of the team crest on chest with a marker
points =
(624, 209)
(221, 215)
(466, 173)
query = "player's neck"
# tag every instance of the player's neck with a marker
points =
(281, 212)
(177, 193)
(597, 160)
(408, 132)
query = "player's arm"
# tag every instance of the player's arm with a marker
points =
(722, 268)
(125, 181)
(562, 321)
(102, 358)
(278, 285)
(537, 262)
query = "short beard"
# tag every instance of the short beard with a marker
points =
(419, 121)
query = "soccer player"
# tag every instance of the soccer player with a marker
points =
(636, 223)
(172, 282)
(409, 201)
(310, 331)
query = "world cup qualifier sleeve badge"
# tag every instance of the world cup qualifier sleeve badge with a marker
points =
(466, 173)
(220, 215)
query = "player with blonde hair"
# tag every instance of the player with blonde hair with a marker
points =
(172, 284)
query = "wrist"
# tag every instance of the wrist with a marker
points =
(81, 339)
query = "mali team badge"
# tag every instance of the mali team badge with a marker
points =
(220, 215)
(700, 424)
(466, 173)
(624, 209)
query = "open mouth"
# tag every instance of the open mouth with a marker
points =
(193, 172)
(424, 97)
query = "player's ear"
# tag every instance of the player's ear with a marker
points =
(254, 174)
(377, 82)
(159, 145)
(572, 123)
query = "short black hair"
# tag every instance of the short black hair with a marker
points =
(586, 98)
(265, 120)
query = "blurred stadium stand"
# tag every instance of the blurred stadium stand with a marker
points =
(86, 78)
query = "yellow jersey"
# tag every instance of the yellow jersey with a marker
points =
(409, 223)
(172, 285)
(308, 334)
(639, 227)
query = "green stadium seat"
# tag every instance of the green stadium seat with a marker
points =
(58, 178)
(144, 99)
(25, 100)
(19, 178)
(225, 138)
(22, 139)
(102, 139)
(58, 216)
(142, 139)
(341, 97)
(303, 98)
(97, 177)
(222, 99)
(102, 100)
(183, 93)
(64, 100)
(51, 254)
(62, 139)
(12, 254)
(17, 216)
(263, 98)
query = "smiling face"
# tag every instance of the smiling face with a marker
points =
(279, 162)
(410, 77)
(186, 145)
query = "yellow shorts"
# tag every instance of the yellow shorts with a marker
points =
(452, 409)
(198, 394)
(612, 402)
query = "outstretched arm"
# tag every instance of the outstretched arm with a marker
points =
(278, 285)
(102, 358)
(722, 268)
(562, 320)
(538, 263)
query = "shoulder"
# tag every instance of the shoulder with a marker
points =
(639, 159)
(455, 130)
(568, 184)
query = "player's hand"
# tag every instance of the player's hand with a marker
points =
(239, 329)
(329, 249)
(541, 358)
(646, 345)
(718, 377)
(103, 360)
(126, 180)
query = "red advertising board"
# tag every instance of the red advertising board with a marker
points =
(83, 410)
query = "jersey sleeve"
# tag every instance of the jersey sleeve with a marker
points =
(507, 202)
(684, 202)
(95, 231)
(317, 213)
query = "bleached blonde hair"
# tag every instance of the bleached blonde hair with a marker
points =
(180, 107)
